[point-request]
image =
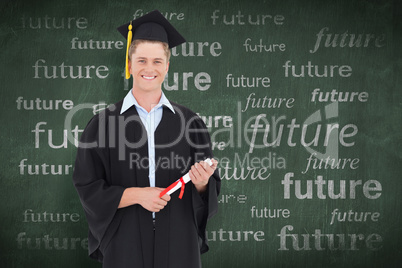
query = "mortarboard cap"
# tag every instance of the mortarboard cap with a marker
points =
(152, 26)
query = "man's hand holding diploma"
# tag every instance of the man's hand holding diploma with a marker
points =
(155, 199)
(200, 174)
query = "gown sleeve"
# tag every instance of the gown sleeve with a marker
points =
(205, 205)
(99, 199)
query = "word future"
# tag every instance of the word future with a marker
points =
(94, 44)
(263, 47)
(67, 71)
(327, 241)
(371, 189)
(310, 70)
(239, 19)
(348, 40)
(30, 216)
(353, 216)
(54, 23)
(338, 96)
(39, 104)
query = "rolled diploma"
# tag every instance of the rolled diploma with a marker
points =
(177, 184)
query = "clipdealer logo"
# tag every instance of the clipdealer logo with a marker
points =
(260, 124)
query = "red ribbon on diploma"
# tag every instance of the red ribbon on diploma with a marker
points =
(183, 185)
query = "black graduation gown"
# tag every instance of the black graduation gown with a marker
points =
(109, 164)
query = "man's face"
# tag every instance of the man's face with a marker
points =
(148, 67)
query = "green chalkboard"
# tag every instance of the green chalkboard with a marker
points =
(302, 100)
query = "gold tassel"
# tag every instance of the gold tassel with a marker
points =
(129, 37)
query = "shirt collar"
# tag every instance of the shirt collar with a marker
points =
(129, 101)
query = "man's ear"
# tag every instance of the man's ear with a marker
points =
(129, 66)
(167, 66)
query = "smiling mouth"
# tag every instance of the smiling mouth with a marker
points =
(148, 77)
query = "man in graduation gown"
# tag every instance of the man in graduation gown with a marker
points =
(132, 151)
